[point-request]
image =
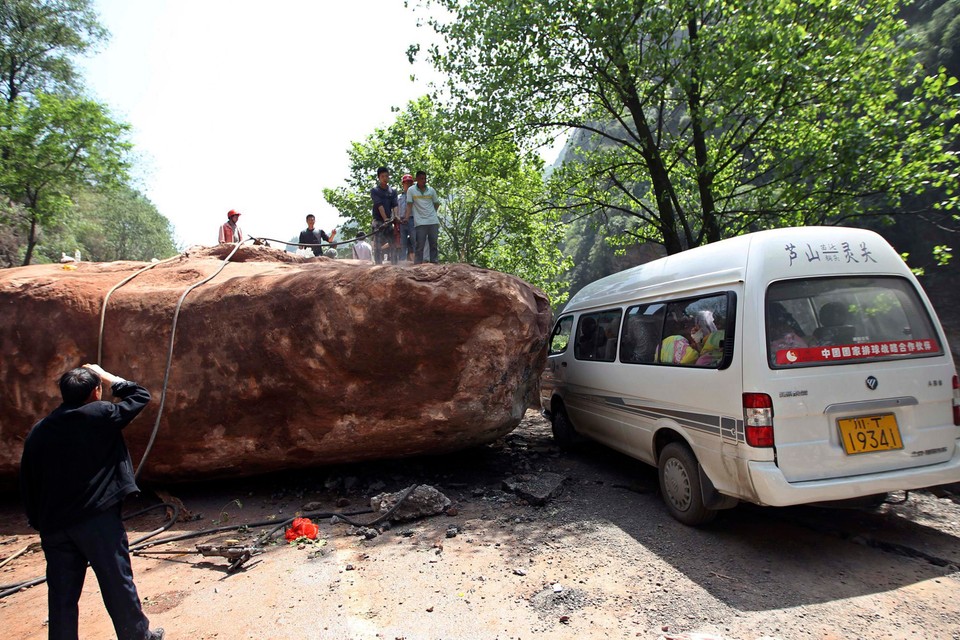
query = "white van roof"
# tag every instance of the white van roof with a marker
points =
(790, 252)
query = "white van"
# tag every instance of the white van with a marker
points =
(781, 367)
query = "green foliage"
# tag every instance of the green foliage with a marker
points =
(942, 254)
(63, 159)
(38, 42)
(936, 33)
(224, 515)
(491, 213)
(700, 119)
(53, 147)
(120, 224)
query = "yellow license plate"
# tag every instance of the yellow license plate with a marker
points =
(865, 434)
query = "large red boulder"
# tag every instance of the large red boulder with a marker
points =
(279, 362)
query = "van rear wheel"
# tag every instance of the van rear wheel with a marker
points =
(680, 485)
(562, 428)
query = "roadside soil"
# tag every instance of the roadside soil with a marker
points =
(601, 559)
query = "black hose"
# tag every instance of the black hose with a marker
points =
(140, 544)
(9, 589)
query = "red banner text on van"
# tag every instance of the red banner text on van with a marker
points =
(855, 351)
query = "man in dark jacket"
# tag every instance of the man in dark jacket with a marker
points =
(74, 474)
(384, 209)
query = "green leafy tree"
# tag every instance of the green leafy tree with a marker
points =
(936, 27)
(39, 40)
(53, 148)
(121, 224)
(701, 119)
(490, 215)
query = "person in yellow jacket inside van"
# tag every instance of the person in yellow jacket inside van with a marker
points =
(679, 347)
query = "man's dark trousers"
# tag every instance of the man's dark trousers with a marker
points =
(102, 541)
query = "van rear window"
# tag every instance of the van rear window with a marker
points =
(824, 321)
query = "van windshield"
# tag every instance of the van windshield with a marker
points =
(823, 321)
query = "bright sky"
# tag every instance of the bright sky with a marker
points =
(245, 105)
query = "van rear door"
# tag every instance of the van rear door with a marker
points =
(859, 377)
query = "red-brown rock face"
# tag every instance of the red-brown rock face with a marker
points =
(279, 362)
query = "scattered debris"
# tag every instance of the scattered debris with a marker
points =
(424, 501)
(183, 514)
(33, 546)
(537, 488)
(368, 533)
(236, 554)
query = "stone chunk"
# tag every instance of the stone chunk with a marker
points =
(423, 502)
(535, 488)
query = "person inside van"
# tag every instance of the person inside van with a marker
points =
(835, 326)
(711, 344)
(678, 345)
(783, 332)
(640, 342)
(589, 340)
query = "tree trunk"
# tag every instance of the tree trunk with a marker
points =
(705, 175)
(31, 241)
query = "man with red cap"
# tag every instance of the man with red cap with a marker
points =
(230, 231)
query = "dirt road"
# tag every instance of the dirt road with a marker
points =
(602, 559)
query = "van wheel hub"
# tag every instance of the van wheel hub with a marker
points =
(677, 484)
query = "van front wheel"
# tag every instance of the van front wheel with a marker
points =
(563, 432)
(680, 485)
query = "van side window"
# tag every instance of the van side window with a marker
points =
(841, 320)
(684, 332)
(694, 332)
(597, 336)
(561, 335)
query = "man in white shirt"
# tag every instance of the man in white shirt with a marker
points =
(423, 202)
(362, 249)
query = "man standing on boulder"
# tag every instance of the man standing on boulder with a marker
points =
(230, 230)
(384, 209)
(74, 473)
(408, 231)
(315, 236)
(424, 202)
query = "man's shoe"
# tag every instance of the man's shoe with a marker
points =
(155, 634)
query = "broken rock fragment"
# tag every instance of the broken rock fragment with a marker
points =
(536, 488)
(423, 501)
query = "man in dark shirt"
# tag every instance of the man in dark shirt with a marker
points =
(384, 209)
(315, 236)
(74, 474)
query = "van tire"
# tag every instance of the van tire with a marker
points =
(563, 432)
(680, 485)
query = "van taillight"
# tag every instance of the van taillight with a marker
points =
(758, 419)
(956, 400)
